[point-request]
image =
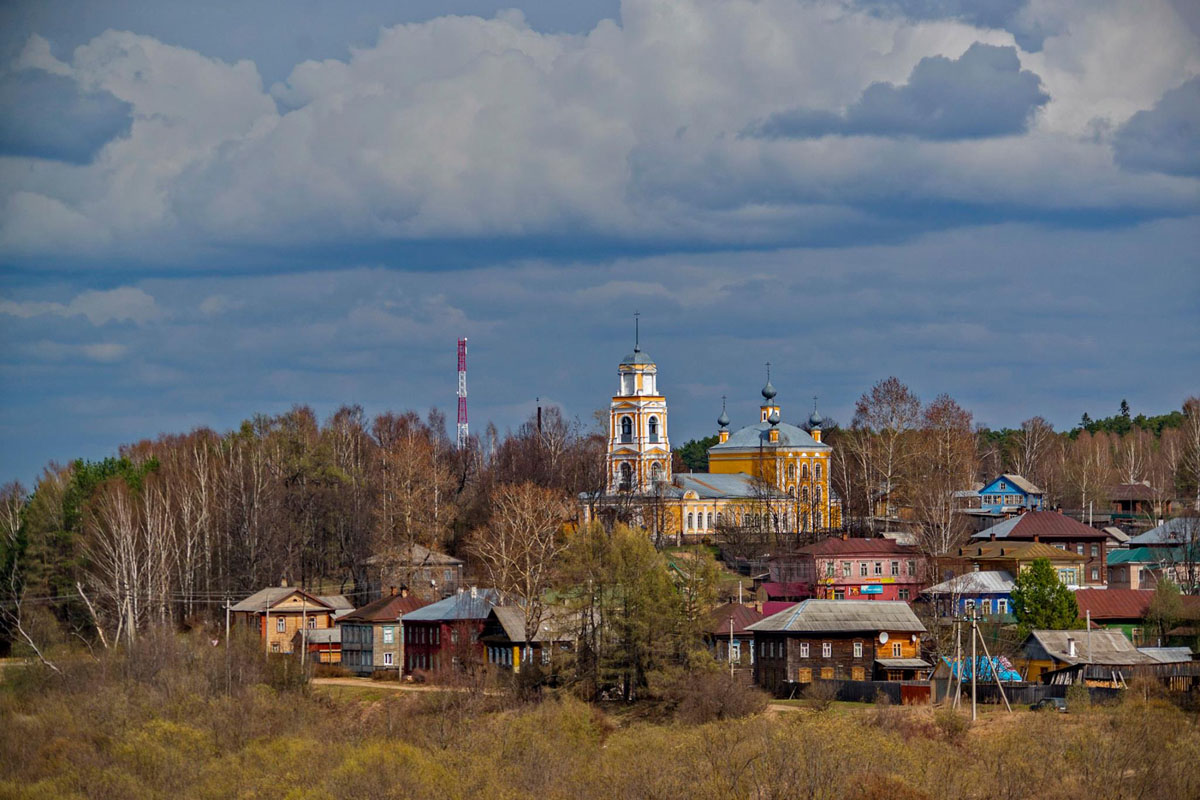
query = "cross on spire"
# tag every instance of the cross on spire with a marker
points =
(768, 372)
(637, 343)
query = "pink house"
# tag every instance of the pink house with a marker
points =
(853, 569)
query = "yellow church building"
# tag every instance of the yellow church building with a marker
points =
(768, 476)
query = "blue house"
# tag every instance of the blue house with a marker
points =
(986, 593)
(1010, 494)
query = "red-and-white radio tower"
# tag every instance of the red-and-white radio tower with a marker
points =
(462, 393)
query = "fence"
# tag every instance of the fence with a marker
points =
(1019, 694)
(897, 692)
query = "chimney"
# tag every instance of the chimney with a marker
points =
(1070, 647)
(283, 583)
(844, 536)
(404, 591)
(392, 591)
(474, 593)
(992, 535)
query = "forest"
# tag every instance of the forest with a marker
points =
(168, 530)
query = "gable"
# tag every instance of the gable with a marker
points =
(1003, 485)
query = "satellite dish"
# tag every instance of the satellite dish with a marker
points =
(914, 637)
(883, 637)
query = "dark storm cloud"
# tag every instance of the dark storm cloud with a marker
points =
(49, 116)
(983, 93)
(1165, 138)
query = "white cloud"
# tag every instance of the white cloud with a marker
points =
(125, 304)
(461, 126)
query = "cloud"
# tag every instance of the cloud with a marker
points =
(983, 93)
(125, 304)
(57, 118)
(1015, 16)
(1166, 138)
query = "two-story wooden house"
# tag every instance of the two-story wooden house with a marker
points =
(446, 634)
(852, 569)
(854, 639)
(279, 612)
(1060, 531)
(372, 637)
(1014, 557)
(1010, 494)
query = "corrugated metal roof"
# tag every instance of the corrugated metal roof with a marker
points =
(1046, 524)
(1173, 531)
(986, 582)
(512, 619)
(1098, 647)
(323, 635)
(1168, 655)
(1114, 603)
(386, 609)
(338, 602)
(754, 436)
(1016, 551)
(269, 597)
(458, 606)
(823, 616)
(711, 485)
(1021, 483)
(837, 546)
(1139, 555)
(415, 556)
(743, 616)
(903, 663)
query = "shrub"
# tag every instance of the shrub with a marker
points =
(951, 723)
(819, 695)
(1078, 697)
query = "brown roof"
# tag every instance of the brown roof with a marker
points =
(836, 546)
(1106, 604)
(1041, 524)
(1017, 551)
(385, 609)
(742, 615)
(1131, 491)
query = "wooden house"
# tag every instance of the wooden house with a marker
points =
(854, 639)
(839, 568)
(278, 612)
(324, 645)
(1061, 532)
(446, 634)
(1046, 651)
(427, 573)
(729, 636)
(505, 643)
(372, 637)
(1013, 557)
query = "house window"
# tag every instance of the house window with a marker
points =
(387, 659)
(862, 569)
(1001, 606)
(1095, 573)
(274, 647)
(896, 650)
(987, 607)
(1003, 486)
(839, 594)
(1079, 549)
(1095, 550)
(389, 634)
(312, 622)
(804, 649)
(280, 625)
(905, 594)
(895, 569)
(828, 569)
(878, 567)
(969, 606)
(858, 649)
(845, 569)
(826, 650)
(654, 429)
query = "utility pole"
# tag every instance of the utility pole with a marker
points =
(974, 631)
(462, 394)
(228, 662)
(303, 631)
(731, 646)
(958, 658)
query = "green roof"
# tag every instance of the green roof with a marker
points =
(1137, 555)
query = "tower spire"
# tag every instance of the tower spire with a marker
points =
(637, 333)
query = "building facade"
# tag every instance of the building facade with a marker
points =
(278, 613)
(1059, 531)
(445, 634)
(372, 637)
(853, 569)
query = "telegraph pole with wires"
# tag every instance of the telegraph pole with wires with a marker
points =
(462, 394)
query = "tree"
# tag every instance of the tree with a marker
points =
(1040, 601)
(694, 453)
(1166, 608)
(521, 544)
(889, 411)
(1190, 442)
(945, 463)
(1030, 448)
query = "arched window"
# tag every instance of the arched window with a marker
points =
(817, 471)
(626, 430)
(791, 490)
(804, 494)
(708, 521)
(817, 520)
(817, 493)
(626, 477)
(791, 472)
(691, 521)
(656, 472)
(804, 470)
(654, 429)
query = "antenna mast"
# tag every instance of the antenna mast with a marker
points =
(462, 394)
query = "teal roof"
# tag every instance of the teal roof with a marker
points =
(1135, 555)
(637, 357)
(755, 436)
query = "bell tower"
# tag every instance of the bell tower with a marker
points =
(639, 450)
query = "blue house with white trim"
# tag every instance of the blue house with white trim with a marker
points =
(1009, 494)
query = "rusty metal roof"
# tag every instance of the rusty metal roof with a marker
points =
(832, 616)
(1042, 524)
(1108, 604)
(743, 617)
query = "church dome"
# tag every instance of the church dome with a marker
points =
(723, 420)
(768, 391)
(637, 357)
(815, 419)
(774, 418)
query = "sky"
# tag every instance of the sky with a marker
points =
(209, 211)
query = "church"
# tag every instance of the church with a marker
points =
(770, 476)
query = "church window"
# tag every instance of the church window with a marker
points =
(626, 477)
(817, 471)
(804, 471)
(817, 520)
(804, 494)
(791, 491)
(791, 472)
(656, 471)
(626, 430)
(691, 521)
(817, 493)
(708, 520)
(654, 429)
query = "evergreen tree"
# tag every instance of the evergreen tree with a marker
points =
(1040, 601)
